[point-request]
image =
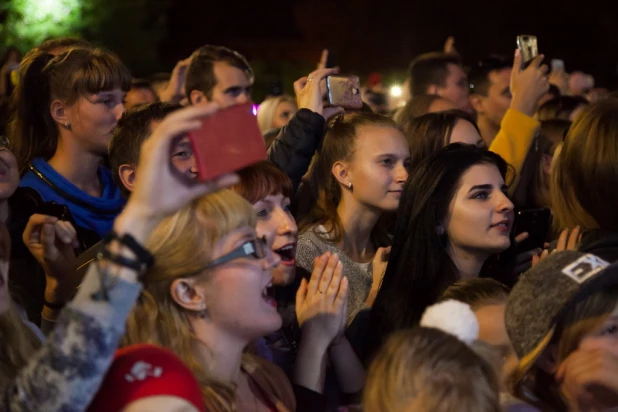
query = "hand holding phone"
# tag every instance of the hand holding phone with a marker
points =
(528, 46)
(228, 140)
(344, 91)
(536, 222)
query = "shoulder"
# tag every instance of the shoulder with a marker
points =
(310, 245)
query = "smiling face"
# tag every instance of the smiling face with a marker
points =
(480, 215)
(276, 223)
(93, 117)
(236, 293)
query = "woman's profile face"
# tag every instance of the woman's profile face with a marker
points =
(480, 215)
(283, 113)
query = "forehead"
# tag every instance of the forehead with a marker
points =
(500, 77)
(481, 174)
(230, 76)
(375, 140)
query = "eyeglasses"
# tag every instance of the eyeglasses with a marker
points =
(255, 248)
(4, 144)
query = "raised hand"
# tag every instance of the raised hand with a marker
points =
(568, 240)
(309, 93)
(529, 85)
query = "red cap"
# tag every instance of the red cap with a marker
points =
(142, 371)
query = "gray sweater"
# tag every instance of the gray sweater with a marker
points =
(311, 245)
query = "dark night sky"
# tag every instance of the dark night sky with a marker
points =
(371, 35)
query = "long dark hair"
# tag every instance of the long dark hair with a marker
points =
(43, 78)
(419, 268)
(432, 131)
(339, 144)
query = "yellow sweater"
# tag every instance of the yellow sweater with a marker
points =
(517, 132)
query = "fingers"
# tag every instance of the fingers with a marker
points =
(562, 240)
(48, 240)
(301, 293)
(536, 62)
(323, 59)
(64, 233)
(535, 260)
(342, 294)
(517, 63)
(521, 237)
(574, 238)
(335, 283)
(300, 84)
(33, 227)
(319, 75)
(319, 264)
(327, 275)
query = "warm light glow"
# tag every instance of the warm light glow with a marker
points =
(396, 91)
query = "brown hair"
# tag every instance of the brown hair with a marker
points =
(44, 78)
(416, 107)
(584, 179)
(429, 69)
(427, 369)
(339, 144)
(157, 318)
(477, 292)
(262, 179)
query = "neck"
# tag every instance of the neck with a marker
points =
(77, 166)
(468, 263)
(219, 353)
(4, 211)
(358, 222)
(488, 129)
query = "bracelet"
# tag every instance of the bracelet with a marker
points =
(54, 306)
(143, 255)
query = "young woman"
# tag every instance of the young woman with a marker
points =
(454, 214)
(275, 112)
(358, 177)
(89, 329)
(268, 190)
(207, 307)
(432, 131)
(560, 316)
(66, 109)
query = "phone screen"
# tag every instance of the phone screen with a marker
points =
(537, 223)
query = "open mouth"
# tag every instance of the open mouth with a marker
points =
(504, 225)
(268, 294)
(287, 254)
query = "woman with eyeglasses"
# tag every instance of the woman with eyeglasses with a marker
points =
(209, 295)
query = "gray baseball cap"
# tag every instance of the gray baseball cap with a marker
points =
(544, 293)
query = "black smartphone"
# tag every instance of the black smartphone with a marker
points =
(537, 223)
(56, 210)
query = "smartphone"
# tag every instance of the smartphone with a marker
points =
(536, 222)
(344, 91)
(557, 65)
(228, 141)
(61, 212)
(528, 47)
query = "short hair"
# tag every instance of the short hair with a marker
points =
(560, 107)
(477, 292)
(145, 85)
(200, 74)
(428, 69)
(478, 78)
(64, 42)
(260, 180)
(132, 129)
(266, 110)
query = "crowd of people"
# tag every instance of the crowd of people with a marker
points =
(372, 262)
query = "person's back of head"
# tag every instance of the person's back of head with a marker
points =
(477, 292)
(432, 131)
(420, 105)
(44, 78)
(141, 92)
(132, 129)
(563, 107)
(201, 78)
(59, 45)
(425, 369)
(586, 171)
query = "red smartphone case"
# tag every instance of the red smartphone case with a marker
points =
(228, 141)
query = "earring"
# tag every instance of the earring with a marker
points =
(68, 126)
(349, 185)
(202, 312)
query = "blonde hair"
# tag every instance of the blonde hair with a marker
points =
(17, 345)
(427, 369)
(266, 111)
(585, 174)
(182, 245)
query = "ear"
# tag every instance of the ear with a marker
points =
(197, 97)
(546, 161)
(184, 294)
(341, 172)
(477, 103)
(60, 112)
(432, 89)
(127, 176)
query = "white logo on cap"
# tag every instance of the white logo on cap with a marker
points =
(584, 268)
(142, 370)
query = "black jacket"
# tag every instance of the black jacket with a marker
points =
(600, 242)
(296, 144)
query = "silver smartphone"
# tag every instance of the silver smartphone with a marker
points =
(528, 47)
